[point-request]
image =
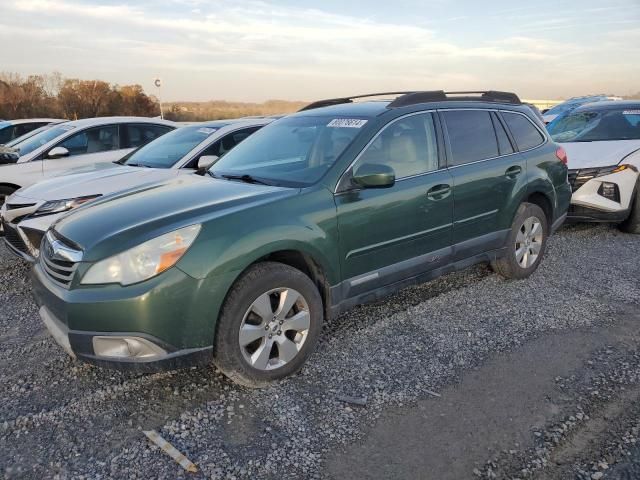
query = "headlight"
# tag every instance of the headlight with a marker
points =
(59, 206)
(144, 261)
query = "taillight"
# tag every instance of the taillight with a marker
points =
(562, 155)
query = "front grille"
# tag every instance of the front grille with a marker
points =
(578, 177)
(15, 206)
(13, 238)
(58, 270)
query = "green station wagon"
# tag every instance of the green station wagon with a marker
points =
(336, 205)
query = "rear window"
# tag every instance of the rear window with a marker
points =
(471, 136)
(525, 134)
(141, 134)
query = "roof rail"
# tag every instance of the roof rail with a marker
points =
(441, 96)
(338, 101)
(405, 99)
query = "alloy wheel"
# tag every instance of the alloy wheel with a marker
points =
(274, 328)
(529, 242)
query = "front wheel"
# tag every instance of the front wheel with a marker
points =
(269, 325)
(526, 243)
(632, 223)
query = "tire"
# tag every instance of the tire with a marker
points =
(4, 193)
(516, 264)
(632, 223)
(252, 307)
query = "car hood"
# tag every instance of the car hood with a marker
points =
(109, 179)
(598, 154)
(123, 220)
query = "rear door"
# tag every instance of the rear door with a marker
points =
(389, 234)
(487, 175)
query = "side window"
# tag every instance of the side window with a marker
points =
(140, 134)
(25, 128)
(471, 136)
(223, 145)
(6, 134)
(92, 140)
(524, 133)
(408, 146)
(504, 144)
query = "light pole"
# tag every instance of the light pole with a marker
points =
(158, 83)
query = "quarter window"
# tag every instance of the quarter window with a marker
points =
(471, 136)
(408, 146)
(525, 134)
(93, 140)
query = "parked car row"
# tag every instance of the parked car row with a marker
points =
(232, 241)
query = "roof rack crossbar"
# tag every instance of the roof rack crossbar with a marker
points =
(440, 95)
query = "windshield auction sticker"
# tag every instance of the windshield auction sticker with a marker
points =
(631, 112)
(347, 123)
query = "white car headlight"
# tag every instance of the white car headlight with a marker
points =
(144, 261)
(59, 206)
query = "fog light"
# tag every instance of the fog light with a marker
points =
(126, 347)
(609, 191)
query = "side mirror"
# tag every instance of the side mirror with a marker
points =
(374, 175)
(58, 152)
(205, 162)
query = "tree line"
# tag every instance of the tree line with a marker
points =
(54, 96)
(57, 97)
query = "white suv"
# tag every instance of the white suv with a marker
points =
(76, 144)
(602, 141)
(28, 213)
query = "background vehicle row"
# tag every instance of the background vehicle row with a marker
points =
(29, 213)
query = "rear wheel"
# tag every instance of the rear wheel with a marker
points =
(632, 223)
(4, 193)
(526, 243)
(269, 325)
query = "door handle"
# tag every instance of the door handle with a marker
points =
(513, 172)
(438, 192)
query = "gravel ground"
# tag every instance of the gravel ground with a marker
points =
(66, 419)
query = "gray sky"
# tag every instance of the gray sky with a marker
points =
(249, 50)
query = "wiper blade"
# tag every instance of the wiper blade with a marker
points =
(245, 178)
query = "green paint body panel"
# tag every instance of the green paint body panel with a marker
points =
(347, 235)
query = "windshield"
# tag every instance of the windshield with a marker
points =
(294, 151)
(22, 138)
(42, 138)
(171, 147)
(594, 126)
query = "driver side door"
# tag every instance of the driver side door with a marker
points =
(92, 145)
(390, 234)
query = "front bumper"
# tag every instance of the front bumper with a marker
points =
(163, 311)
(23, 234)
(589, 205)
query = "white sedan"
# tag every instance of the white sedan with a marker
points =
(602, 142)
(28, 213)
(75, 144)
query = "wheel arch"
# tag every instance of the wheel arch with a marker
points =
(308, 265)
(10, 185)
(543, 201)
